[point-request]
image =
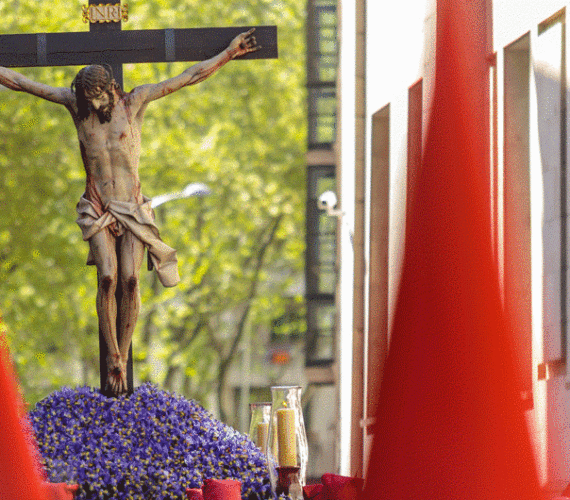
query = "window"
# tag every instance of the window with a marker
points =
(516, 236)
(321, 234)
(321, 272)
(549, 64)
(321, 327)
(322, 62)
(377, 339)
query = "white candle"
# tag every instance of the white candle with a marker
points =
(261, 438)
(286, 439)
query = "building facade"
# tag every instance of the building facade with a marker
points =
(384, 88)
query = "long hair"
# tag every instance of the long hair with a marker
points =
(91, 78)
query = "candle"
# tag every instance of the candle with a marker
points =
(261, 439)
(286, 439)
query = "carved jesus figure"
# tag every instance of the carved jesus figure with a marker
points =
(112, 213)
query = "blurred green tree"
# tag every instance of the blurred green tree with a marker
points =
(242, 132)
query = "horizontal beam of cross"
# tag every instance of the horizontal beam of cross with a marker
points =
(128, 46)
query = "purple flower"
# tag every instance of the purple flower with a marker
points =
(151, 444)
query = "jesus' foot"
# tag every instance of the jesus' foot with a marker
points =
(116, 375)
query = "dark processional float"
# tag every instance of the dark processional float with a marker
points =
(113, 215)
(120, 441)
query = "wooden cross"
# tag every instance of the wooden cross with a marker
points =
(106, 43)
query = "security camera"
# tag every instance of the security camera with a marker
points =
(327, 201)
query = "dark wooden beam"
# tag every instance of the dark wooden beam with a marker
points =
(128, 46)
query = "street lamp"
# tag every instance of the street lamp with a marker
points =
(193, 189)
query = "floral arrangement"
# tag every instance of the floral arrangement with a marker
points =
(149, 445)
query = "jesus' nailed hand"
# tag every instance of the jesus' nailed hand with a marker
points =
(108, 123)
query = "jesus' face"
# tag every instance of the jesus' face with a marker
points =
(94, 89)
(101, 103)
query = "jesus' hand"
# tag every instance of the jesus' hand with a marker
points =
(243, 44)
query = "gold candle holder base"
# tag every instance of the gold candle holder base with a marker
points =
(288, 482)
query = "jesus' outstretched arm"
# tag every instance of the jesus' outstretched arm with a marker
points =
(18, 82)
(240, 45)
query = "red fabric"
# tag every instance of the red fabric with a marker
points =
(334, 487)
(313, 491)
(221, 489)
(60, 491)
(449, 422)
(337, 487)
(194, 494)
(18, 475)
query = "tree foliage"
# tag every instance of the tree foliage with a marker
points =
(242, 132)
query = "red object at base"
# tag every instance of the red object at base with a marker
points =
(341, 487)
(60, 491)
(194, 494)
(313, 491)
(221, 489)
(334, 487)
(288, 481)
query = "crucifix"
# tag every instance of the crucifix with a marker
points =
(114, 216)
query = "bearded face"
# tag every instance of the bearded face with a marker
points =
(102, 105)
(93, 87)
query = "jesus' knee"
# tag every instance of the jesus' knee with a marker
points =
(108, 284)
(131, 285)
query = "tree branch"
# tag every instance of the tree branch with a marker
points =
(226, 361)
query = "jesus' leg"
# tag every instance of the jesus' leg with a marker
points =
(131, 257)
(104, 252)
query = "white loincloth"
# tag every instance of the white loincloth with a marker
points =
(139, 220)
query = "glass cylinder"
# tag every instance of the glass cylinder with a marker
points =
(259, 424)
(287, 447)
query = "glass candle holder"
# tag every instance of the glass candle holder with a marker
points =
(259, 424)
(287, 447)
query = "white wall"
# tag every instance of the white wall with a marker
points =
(397, 44)
(513, 18)
(395, 49)
(394, 62)
(346, 153)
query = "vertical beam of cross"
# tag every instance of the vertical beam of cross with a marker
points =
(117, 69)
(103, 27)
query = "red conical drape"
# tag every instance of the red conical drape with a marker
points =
(19, 477)
(450, 423)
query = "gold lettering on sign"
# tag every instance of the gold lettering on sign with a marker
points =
(105, 13)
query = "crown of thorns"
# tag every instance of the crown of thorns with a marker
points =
(93, 77)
